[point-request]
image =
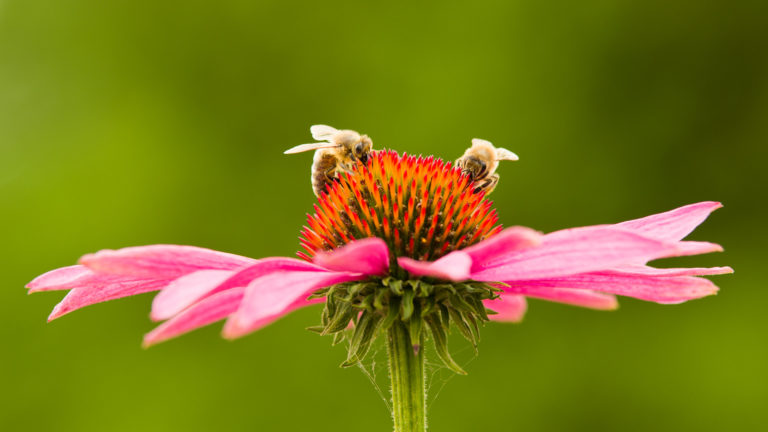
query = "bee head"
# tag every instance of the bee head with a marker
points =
(473, 167)
(362, 149)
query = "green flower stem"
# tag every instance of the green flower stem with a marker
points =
(406, 370)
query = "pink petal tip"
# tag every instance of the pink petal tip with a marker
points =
(454, 267)
(368, 256)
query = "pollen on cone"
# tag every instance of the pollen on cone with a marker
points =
(423, 208)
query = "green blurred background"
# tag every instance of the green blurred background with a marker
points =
(128, 123)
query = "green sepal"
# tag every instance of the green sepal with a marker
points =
(341, 319)
(442, 294)
(393, 313)
(366, 303)
(428, 306)
(396, 286)
(473, 325)
(469, 288)
(480, 309)
(352, 291)
(378, 300)
(414, 283)
(458, 302)
(338, 338)
(441, 343)
(446, 287)
(361, 340)
(316, 329)
(322, 292)
(445, 318)
(463, 326)
(407, 306)
(426, 290)
(330, 305)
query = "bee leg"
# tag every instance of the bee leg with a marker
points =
(487, 184)
(330, 175)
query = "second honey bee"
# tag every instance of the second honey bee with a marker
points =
(480, 161)
(338, 152)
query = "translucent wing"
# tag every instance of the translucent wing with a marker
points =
(309, 147)
(504, 154)
(323, 132)
(477, 142)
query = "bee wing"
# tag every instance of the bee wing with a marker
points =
(323, 132)
(504, 154)
(309, 147)
(476, 142)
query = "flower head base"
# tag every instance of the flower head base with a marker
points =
(423, 208)
(375, 305)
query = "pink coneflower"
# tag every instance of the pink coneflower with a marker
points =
(401, 246)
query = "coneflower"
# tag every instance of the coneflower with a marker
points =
(401, 247)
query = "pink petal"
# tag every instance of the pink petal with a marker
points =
(369, 256)
(185, 290)
(209, 310)
(686, 248)
(107, 287)
(577, 250)
(508, 308)
(575, 297)
(675, 224)
(276, 294)
(161, 261)
(167, 307)
(652, 271)
(661, 289)
(510, 240)
(454, 267)
(458, 265)
(60, 279)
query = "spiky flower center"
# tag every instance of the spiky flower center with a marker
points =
(422, 207)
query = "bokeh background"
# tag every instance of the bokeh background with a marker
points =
(128, 123)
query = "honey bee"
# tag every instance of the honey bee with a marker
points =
(338, 152)
(480, 161)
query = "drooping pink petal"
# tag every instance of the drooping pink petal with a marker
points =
(368, 256)
(208, 310)
(454, 267)
(60, 279)
(653, 271)
(161, 261)
(576, 297)
(276, 294)
(675, 224)
(659, 289)
(109, 287)
(167, 307)
(509, 240)
(508, 308)
(573, 251)
(686, 248)
(185, 290)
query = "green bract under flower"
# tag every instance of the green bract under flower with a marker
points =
(423, 208)
(375, 305)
